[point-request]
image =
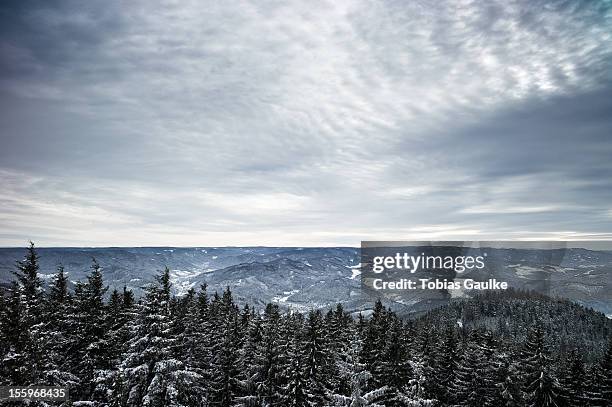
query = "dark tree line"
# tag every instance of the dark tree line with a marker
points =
(111, 349)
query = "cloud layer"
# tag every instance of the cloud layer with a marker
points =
(293, 123)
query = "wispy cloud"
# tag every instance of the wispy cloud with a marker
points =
(200, 123)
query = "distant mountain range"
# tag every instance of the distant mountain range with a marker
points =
(305, 278)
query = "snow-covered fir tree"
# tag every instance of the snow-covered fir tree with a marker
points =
(358, 377)
(58, 329)
(27, 304)
(574, 381)
(508, 382)
(541, 388)
(150, 375)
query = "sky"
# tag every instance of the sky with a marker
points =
(291, 123)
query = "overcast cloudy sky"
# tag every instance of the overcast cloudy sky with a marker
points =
(304, 123)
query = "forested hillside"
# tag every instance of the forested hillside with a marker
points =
(300, 278)
(509, 316)
(111, 349)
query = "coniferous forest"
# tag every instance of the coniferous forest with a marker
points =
(202, 349)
